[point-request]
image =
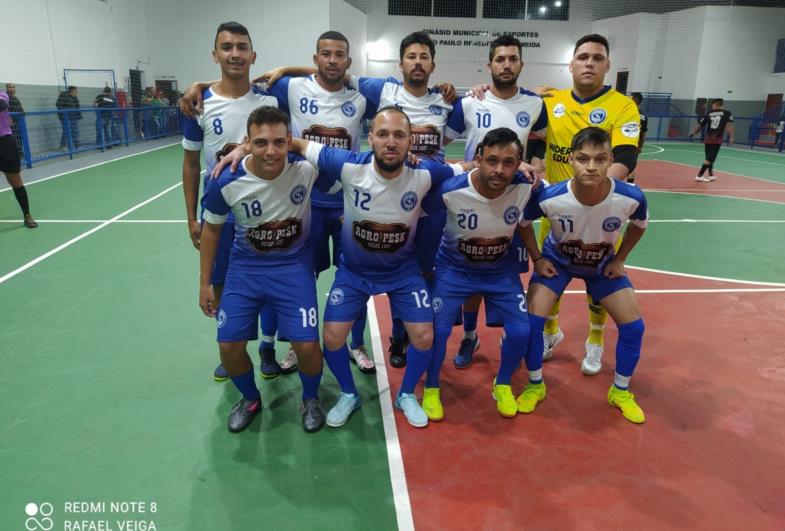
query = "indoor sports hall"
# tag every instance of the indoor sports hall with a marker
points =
(110, 417)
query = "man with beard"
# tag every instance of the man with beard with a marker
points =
(220, 128)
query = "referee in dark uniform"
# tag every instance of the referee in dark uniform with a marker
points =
(10, 162)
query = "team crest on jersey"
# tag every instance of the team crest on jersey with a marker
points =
(348, 109)
(336, 297)
(220, 318)
(228, 148)
(297, 195)
(435, 109)
(511, 215)
(484, 250)
(380, 237)
(337, 137)
(275, 235)
(559, 110)
(437, 304)
(597, 116)
(631, 129)
(611, 224)
(523, 119)
(409, 201)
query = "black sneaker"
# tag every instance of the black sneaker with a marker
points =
(313, 415)
(466, 352)
(269, 368)
(30, 223)
(397, 351)
(243, 413)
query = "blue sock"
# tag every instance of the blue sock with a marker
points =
(533, 354)
(441, 335)
(398, 330)
(417, 362)
(358, 330)
(513, 350)
(269, 324)
(247, 386)
(470, 321)
(338, 361)
(310, 384)
(628, 348)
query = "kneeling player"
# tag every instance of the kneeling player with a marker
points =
(586, 215)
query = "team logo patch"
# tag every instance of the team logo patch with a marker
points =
(220, 318)
(559, 110)
(437, 303)
(523, 118)
(348, 109)
(336, 297)
(297, 195)
(435, 109)
(511, 215)
(426, 140)
(631, 129)
(274, 235)
(597, 116)
(409, 201)
(380, 237)
(337, 137)
(484, 250)
(611, 224)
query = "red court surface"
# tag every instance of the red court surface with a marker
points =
(711, 454)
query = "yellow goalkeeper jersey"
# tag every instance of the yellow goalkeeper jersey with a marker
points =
(568, 114)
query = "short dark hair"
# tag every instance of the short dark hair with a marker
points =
(332, 36)
(503, 40)
(593, 37)
(418, 37)
(267, 114)
(718, 100)
(71, 87)
(501, 136)
(107, 89)
(637, 97)
(232, 27)
(394, 109)
(592, 136)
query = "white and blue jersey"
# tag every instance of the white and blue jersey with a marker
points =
(523, 113)
(428, 114)
(479, 231)
(333, 119)
(582, 238)
(272, 217)
(380, 215)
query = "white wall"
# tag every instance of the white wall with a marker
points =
(353, 23)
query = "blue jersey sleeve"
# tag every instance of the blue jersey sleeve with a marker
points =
(455, 120)
(213, 201)
(329, 160)
(542, 121)
(192, 130)
(642, 212)
(371, 88)
(532, 209)
(280, 89)
(433, 201)
(440, 172)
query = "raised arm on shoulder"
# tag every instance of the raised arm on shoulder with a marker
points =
(192, 102)
(271, 76)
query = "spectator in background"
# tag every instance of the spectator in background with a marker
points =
(69, 100)
(105, 126)
(14, 105)
(778, 140)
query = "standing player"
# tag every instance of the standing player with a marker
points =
(586, 214)
(10, 163)
(588, 103)
(637, 97)
(219, 129)
(269, 263)
(504, 105)
(483, 210)
(715, 121)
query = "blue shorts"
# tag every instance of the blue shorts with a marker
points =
(409, 297)
(291, 289)
(325, 223)
(503, 293)
(426, 241)
(597, 285)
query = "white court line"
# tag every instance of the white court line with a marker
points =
(767, 190)
(91, 166)
(702, 194)
(722, 171)
(152, 221)
(709, 290)
(72, 241)
(731, 157)
(661, 149)
(403, 507)
(703, 277)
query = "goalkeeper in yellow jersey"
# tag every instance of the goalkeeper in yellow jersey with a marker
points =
(588, 103)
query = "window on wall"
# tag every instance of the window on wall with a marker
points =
(779, 62)
(455, 8)
(504, 9)
(411, 8)
(548, 10)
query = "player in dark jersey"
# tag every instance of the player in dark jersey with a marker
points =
(716, 122)
(637, 97)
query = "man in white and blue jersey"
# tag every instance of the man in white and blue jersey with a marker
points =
(270, 262)
(219, 129)
(483, 212)
(382, 203)
(586, 214)
(504, 105)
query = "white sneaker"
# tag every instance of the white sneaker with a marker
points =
(550, 341)
(702, 179)
(359, 356)
(289, 363)
(592, 363)
(710, 178)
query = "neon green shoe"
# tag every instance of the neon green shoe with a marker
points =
(532, 395)
(505, 400)
(625, 401)
(432, 404)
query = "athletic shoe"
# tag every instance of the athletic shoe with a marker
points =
(710, 178)
(30, 223)
(289, 363)
(549, 343)
(465, 352)
(397, 351)
(220, 374)
(592, 362)
(269, 367)
(432, 404)
(407, 402)
(532, 395)
(505, 400)
(625, 401)
(243, 413)
(359, 356)
(313, 415)
(342, 410)
(701, 178)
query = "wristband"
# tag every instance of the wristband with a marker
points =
(538, 258)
